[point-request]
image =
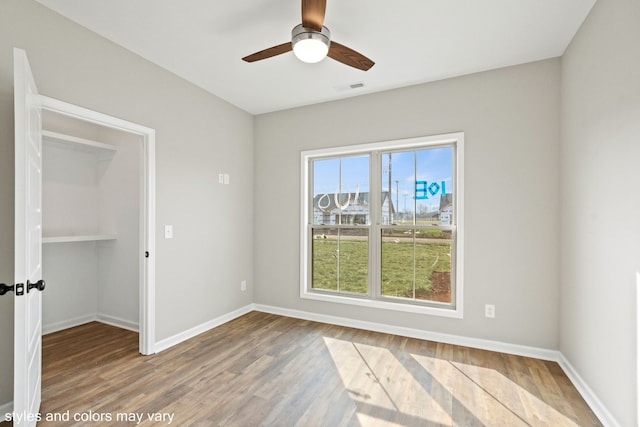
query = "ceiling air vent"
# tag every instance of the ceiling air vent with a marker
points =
(351, 86)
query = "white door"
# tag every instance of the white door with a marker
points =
(28, 245)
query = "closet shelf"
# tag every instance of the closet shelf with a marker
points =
(82, 238)
(75, 142)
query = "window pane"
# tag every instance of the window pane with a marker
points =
(433, 265)
(352, 200)
(354, 260)
(434, 186)
(397, 267)
(324, 259)
(326, 179)
(340, 191)
(416, 264)
(398, 178)
(341, 260)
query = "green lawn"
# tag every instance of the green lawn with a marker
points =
(397, 264)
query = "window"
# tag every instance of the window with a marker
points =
(382, 225)
(340, 248)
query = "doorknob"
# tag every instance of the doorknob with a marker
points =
(19, 288)
(39, 285)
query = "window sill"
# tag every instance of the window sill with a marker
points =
(455, 313)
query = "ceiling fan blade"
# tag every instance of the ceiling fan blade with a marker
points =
(313, 13)
(349, 57)
(268, 53)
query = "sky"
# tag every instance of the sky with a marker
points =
(348, 174)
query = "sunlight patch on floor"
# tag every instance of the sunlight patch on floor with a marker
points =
(381, 386)
(493, 396)
(419, 390)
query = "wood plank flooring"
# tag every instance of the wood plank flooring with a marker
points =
(267, 370)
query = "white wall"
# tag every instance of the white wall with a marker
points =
(601, 202)
(120, 203)
(512, 135)
(197, 136)
(70, 270)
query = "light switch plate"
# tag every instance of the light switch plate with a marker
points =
(490, 311)
(168, 231)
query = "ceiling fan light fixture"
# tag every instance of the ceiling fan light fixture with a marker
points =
(309, 45)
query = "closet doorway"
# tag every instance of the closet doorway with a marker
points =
(98, 221)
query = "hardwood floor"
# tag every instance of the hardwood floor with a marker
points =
(269, 370)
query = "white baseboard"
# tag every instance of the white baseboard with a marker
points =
(197, 330)
(68, 323)
(588, 395)
(117, 322)
(99, 317)
(515, 349)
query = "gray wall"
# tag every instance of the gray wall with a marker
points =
(601, 204)
(197, 135)
(512, 136)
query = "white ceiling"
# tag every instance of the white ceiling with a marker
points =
(411, 41)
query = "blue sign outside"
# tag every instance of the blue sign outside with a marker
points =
(423, 191)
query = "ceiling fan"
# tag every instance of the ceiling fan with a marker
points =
(311, 41)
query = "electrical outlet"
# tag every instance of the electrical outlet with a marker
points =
(490, 311)
(243, 285)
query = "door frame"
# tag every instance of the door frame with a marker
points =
(147, 270)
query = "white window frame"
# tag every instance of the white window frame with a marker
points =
(456, 309)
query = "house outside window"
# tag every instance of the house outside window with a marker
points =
(381, 225)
